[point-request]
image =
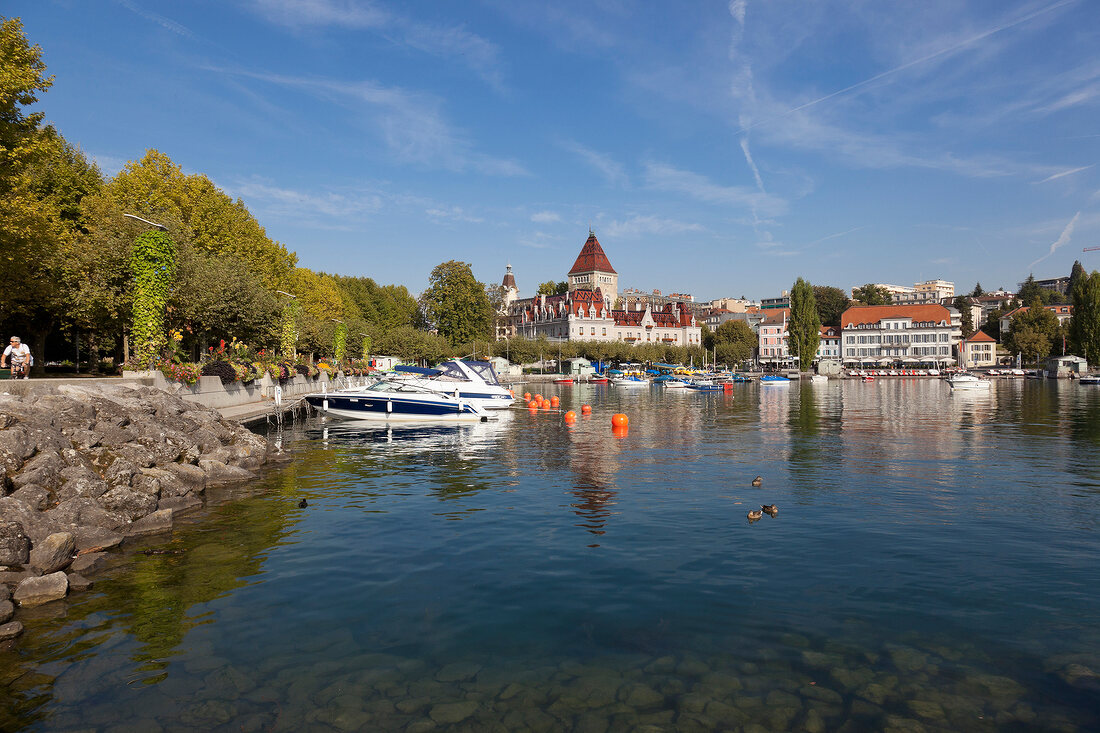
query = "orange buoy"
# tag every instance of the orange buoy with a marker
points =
(570, 417)
(538, 397)
(619, 420)
(586, 409)
(513, 393)
(554, 401)
(533, 405)
(526, 396)
(620, 431)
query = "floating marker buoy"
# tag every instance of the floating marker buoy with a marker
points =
(586, 409)
(554, 401)
(619, 420)
(526, 396)
(619, 431)
(570, 417)
(538, 397)
(533, 405)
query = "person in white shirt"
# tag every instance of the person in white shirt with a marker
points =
(20, 355)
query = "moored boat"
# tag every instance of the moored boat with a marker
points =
(396, 401)
(774, 380)
(965, 380)
(466, 379)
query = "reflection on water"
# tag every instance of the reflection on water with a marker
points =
(932, 565)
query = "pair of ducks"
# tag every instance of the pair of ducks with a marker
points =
(770, 509)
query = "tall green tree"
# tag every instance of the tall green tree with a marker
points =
(871, 294)
(1075, 274)
(1084, 327)
(831, 304)
(804, 326)
(977, 292)
(1034, 331)
(962, 305)
(734, 342)
(455, 303)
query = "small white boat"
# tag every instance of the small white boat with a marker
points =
(1090, 379)
(629, 381)
(819, 379)
(964, 380)
(774, 380)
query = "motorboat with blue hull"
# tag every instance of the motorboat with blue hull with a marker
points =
(466, 379)
(396, 401)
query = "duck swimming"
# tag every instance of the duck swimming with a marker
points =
(770, 509)
(303, 504)
(758, 481)
(754, 515)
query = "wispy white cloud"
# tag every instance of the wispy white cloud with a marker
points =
(611, 170)
(1063, 239)
(323, 209)
(450, 42)
(636, 226)
(166, 23)
(410, 123)
(109, 165)
(1063, 174)
(666, 178)
(545, 217)
(453, 213)
(942, 52)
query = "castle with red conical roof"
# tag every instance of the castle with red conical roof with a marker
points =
(587, 311)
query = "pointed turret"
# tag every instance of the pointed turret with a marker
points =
(593, 270)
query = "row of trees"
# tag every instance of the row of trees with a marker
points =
(67, 244)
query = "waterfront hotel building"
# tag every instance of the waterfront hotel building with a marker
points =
(588, 310)
(889, 333)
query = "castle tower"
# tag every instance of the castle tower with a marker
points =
(511, 292)
(593, 270)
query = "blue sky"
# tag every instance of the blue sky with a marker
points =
(722, 149)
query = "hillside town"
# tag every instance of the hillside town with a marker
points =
(925, 324)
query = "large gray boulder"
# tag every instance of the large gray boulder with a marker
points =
(128, 503)
(157, 522)
(219, 473)
(36, 591)
(34, 496)
(84, 512)
(81, 481)
(54, 553)
(15, 546)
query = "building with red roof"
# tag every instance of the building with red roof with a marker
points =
(585, 312)
(1062, 312)
(900, 334)
(980, 350)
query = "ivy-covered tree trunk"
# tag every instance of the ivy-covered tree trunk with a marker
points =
(153, 265)
(288, 332)
(366, 347)
(804, 327)
(340, 341)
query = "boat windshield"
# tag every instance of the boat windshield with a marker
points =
(388, 385)
(451, 370)
(484, 370)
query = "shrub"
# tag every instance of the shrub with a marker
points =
(222, 369)
(302, 369)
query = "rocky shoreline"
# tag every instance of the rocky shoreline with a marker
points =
(84, 469)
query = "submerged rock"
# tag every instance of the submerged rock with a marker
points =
(10, 630)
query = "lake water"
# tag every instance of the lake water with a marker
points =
(934, 565)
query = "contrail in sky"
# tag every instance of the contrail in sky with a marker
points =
(1063, 238)
(915, 62)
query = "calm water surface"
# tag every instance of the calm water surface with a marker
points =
(934, 565)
